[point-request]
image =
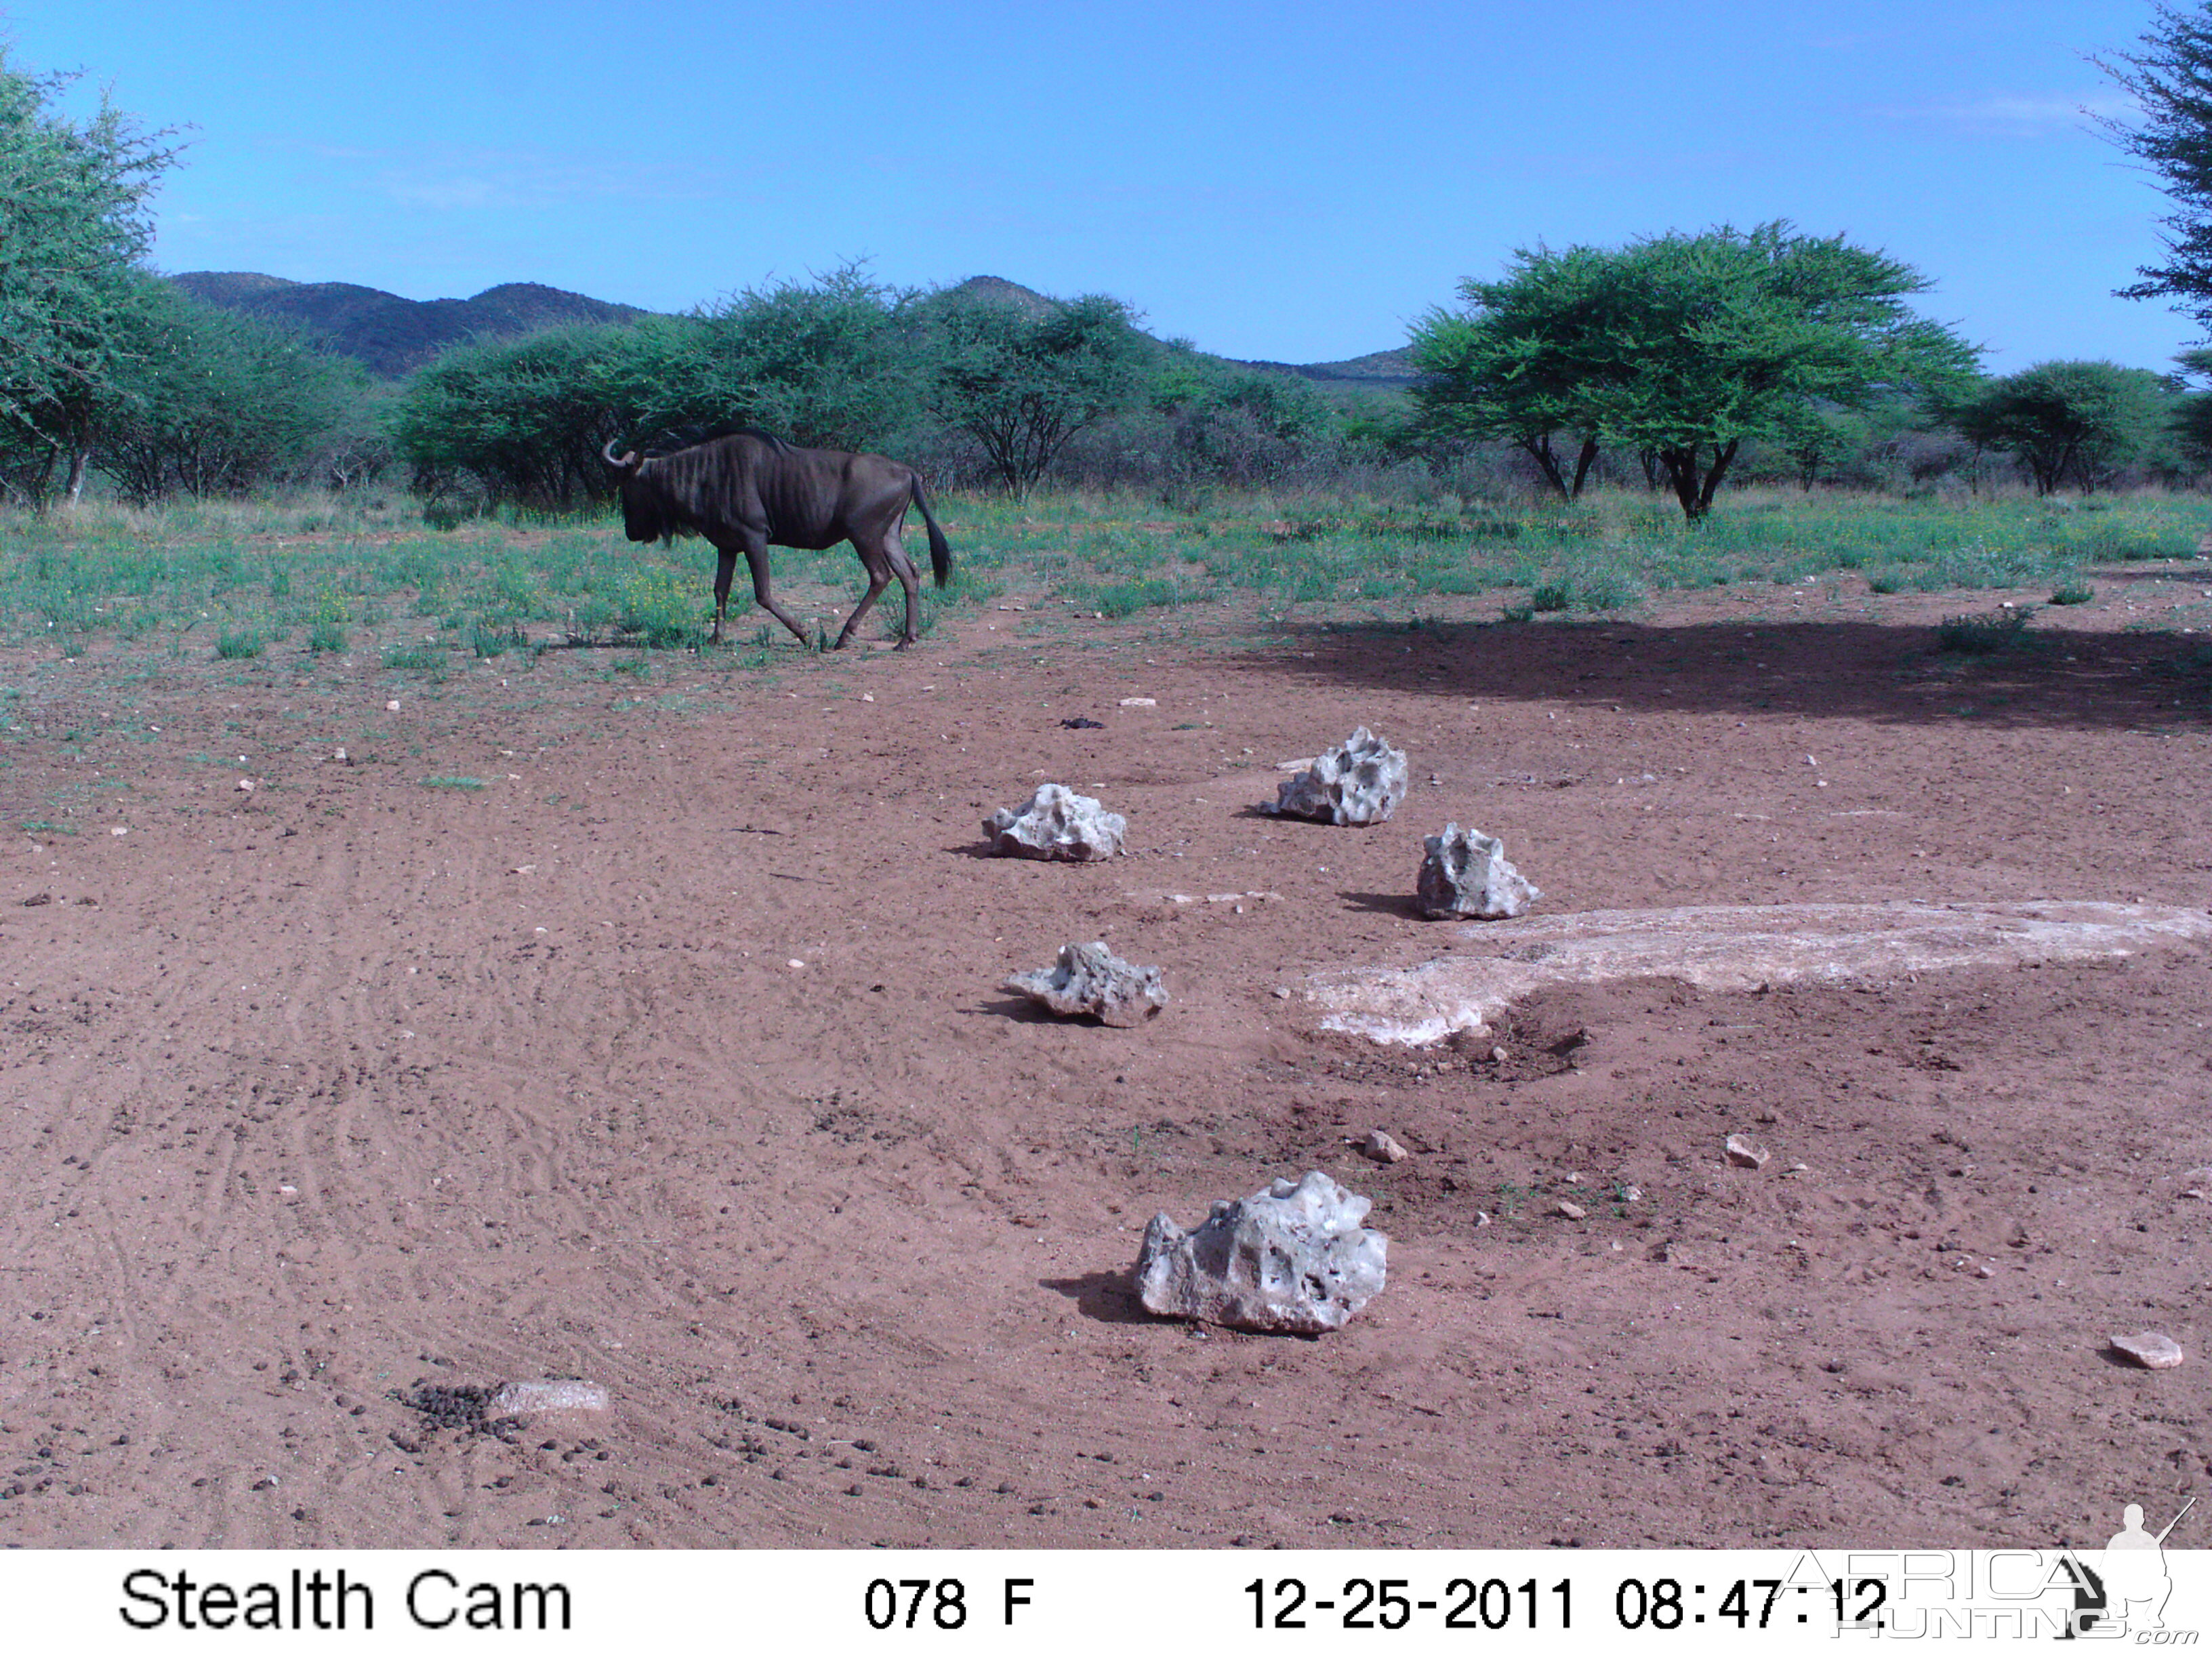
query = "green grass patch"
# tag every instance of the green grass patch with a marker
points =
(456, 783)
(238, 644)
(2073, 593)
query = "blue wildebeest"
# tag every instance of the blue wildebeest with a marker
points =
(747, 491)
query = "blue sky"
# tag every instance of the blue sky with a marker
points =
(1286, 180)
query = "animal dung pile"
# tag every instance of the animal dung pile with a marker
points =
(1465, 874)
(1362, 781)
(1089, 979)
(1293, 1259)
(1056, 823)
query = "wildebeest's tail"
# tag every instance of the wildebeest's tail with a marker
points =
(940, 550)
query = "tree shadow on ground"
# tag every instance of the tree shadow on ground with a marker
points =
(2053, 676)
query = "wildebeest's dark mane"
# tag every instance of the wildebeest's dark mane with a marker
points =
(675, 439)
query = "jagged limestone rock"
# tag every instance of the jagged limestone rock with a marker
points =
(1360, 782)
(1056, 823)
(1466, 874)
(1292, 1259)
(1089, 979)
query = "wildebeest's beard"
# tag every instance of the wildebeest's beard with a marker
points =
(642, 516)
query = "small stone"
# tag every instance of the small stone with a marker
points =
(246, 786)
(1498, 1055)
(1631, 1194)
(119, 830)
(1140, 702)
(1089, 979)
(2154, 1350)
(1359, 782)
(1056, 823)
(1572, 1212)
(2198, 1183)
(393, 706)
(1465, 874)
(1282, 993)
(794, 962)
(1292, 1259)
(340, 757)
(1382, 1149)
(1745, 1155)
(519, 1399)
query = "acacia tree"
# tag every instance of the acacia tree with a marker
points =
(2082, 420)
(209, 402)
(1023, 381)
(2171, 81)
(1685, 346)
(74, 224)
(1516, 361)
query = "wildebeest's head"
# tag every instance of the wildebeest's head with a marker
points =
(642, 518)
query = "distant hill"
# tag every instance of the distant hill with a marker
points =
(393, 336)
(390, 334)
(1377, 371)
(1027, 301)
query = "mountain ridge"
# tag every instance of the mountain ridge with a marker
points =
(392, 336)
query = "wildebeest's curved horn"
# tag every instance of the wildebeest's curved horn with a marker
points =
(620, 463)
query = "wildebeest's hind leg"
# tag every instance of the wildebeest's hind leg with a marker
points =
(882, 562)
(755, 548)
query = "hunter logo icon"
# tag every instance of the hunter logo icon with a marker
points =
(2136, 1583)
(2127, 1589)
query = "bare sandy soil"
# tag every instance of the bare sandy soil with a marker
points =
(674, 1059)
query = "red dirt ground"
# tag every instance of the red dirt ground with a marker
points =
(349, 1084)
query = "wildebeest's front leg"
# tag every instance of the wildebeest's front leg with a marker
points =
(755, 551)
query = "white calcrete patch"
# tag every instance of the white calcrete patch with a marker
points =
(1738, 947)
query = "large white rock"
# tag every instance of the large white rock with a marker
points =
(1294, 1259)
(1056, 823)
(1361, 781)
(1465, 874)
(1090, 978)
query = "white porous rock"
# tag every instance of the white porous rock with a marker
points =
(1465, 874)
(1056, 823)
(1090, 978)
(1362, 781)
(1293, 1259)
